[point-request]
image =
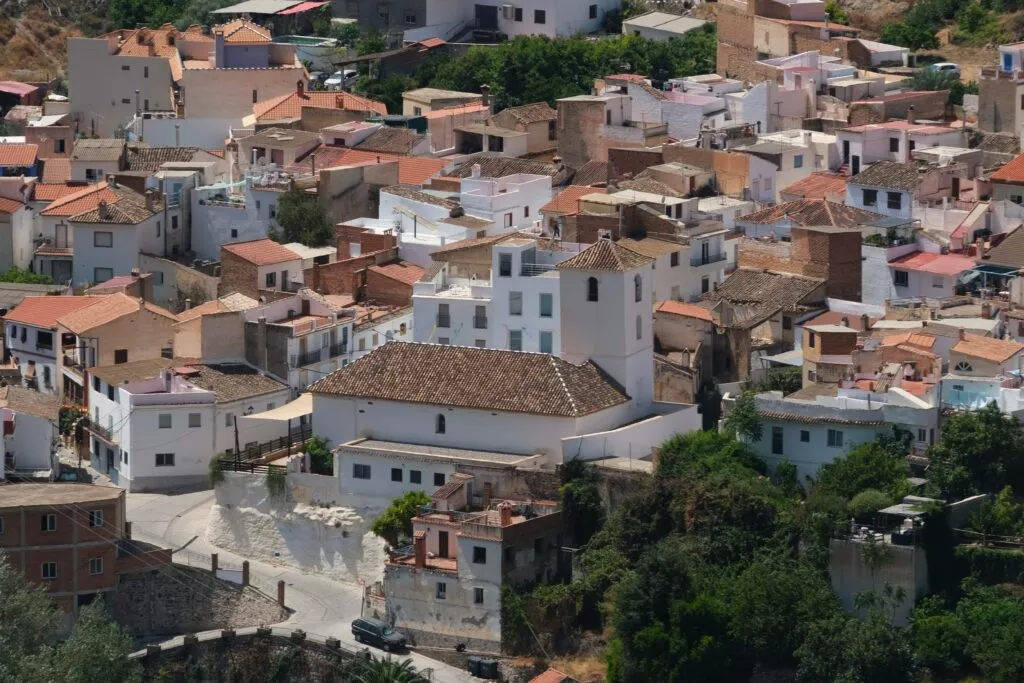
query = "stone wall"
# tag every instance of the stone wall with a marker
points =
(238, 275)
(181, 599)
(384, 290)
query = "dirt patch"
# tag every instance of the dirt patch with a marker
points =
(970, 58)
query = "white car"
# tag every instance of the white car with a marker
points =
(945, 68)
(341, 79)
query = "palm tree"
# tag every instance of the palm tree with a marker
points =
(387, 670)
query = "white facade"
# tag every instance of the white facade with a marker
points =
(685, 113)
(895, 141)
(527, 17)
(368, 335)
(512, 202)
(220, 216)
(32, 446)
(886, 201)
(35, 350)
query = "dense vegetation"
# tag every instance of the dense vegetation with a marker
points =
(301, 219)
(713, 570)
(16, 274)
(973, 23)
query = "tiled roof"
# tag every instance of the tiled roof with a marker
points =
(391, 140)
(813, 212)
(10, 205)
(937, 264)
(995, 350)
(532, 113)
(853, 320)
(411, 170)
(418, 196)
(99, 149)
(108, 309)
(84, 199)
(262, 252)
(456, 111)
(18, 154)
(56, 170)
(214, 306)
(917, 339)
(289, 106)
(43, 311)
(128, 208)
(149, 159)
(147, 42)
(136, 370)
(649, 185)
(46, 192)
(477, 242)
(568, 200)
(406, 273)
(243, 31)
(996, 142)
(606, 255)
(890, 175)
(592, 173)
(1009, 252)
(552, 676)
(470, 377)
(686, 310)
(30, 402)
(1012, 172)
(818, 185)
(751, 286)
(803, 417)
(493, 165)
(233, 381)
(651, 246)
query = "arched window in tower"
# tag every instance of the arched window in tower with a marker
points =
(638, 288)
(439, 425)
(639, 328)
(591, 289)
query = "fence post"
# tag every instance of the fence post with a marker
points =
(213, 563)
(280, 593)
(245, 573)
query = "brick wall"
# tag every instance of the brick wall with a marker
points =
(237, 275)
(833, 256)
(579, 132)
(387, 290)
(346, 277)
(369, 241)
(622, 160)
(765, 255)
(585, 227)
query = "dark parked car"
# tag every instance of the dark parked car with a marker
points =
(375, 632)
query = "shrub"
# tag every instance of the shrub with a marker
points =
(276, 482)
(868, 502)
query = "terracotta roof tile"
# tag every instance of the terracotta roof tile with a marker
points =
(552, 676)
(243, 31)
(98, 149)
(456, 111)
(532, 113)
(130, 208)
(404, 272)
(84, 199)
(836, 318)
(470, 377)
(43, 311)
(289, 106)
(649, 185)
(685, 310)
(150, 159)
(651, 246)
(30, 402)
(937, 264)
(493, 165)
(818, 185)
(411, 170)
(417, 195)
(813, 212)
(890, 175)
(47, 192)
(262, 252)
(924, 341)
(10, 205)
(108, 309)
(568, 200)
(1009, 252)
(18, 154)
(391, 140)
(592, 173)
(995, 350)
(762, 287)
(56, 170)
(606, 255)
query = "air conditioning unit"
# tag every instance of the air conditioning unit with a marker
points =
(508, 12)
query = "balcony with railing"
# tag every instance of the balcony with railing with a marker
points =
(707, 259)
(536, 269)
(339, 349)
(301, 360)
(104, 433)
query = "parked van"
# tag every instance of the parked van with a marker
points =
(375, 632)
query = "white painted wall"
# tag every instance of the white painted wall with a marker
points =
(29, 352)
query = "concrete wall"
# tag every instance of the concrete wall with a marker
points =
(904, 567)
(228, 94)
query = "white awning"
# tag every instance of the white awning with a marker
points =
(303, 405)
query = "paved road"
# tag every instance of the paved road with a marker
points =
(321, 606)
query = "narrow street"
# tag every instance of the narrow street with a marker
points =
(320, 606)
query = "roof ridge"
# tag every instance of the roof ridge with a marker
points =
(561, 380)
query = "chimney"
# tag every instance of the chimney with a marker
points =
(135, 273)
(151, 201)
(261, 343)
(807, 138)
(102, 209)
(865, 321)
(986, 310)
(111, 181)
(419, 544)
(911, 116)
(961, 333)
(188, 304)
(505, 513)
(485, 92)
(845, 321)
(298, 87)
(475, 171)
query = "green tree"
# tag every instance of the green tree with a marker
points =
(745, 419)
(836, 13)
(302, 219)
(994, 621)
(848, 650)
(387, 670)
(582, 508)
(866, 466)
(16, 274)
(912, 35)
(389, 90)
(868, 502)
(978, 452)
(321, 460)
(370, 42)
(395, 523)
(939, 637)
(27, 621)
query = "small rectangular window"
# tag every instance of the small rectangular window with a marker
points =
(95, 565)
(547, 306)
(103, 239)
(901, 278)
(546, 342)
(360, 471)
(938, 282)
(102, 274)
(515, 303)
(515, 340)
(442, 590)
(271, 280)
(164, 421)
(674, 259)
(255, 96)
(438, 478)
(48, 522)
(805, 436)
(126, 67)
(777, 440)
(145, 72)
(922, 434)
(396, 474)
(593, 11)
(95, 518)
(49, 571)
(126, 100)
(835, 438)
(894, 144)
(229, 419)
(798, 161)
(504, 265)
(165, 459)
(519, 13)
(539, 16)
(894, 200)
(479, 555)
(195, 420)
(415, 477)
(870, 197)
(478, 596)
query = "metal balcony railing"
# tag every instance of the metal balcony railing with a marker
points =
(299, 360)
(702, 260)
(532, 269)
(339, 349)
